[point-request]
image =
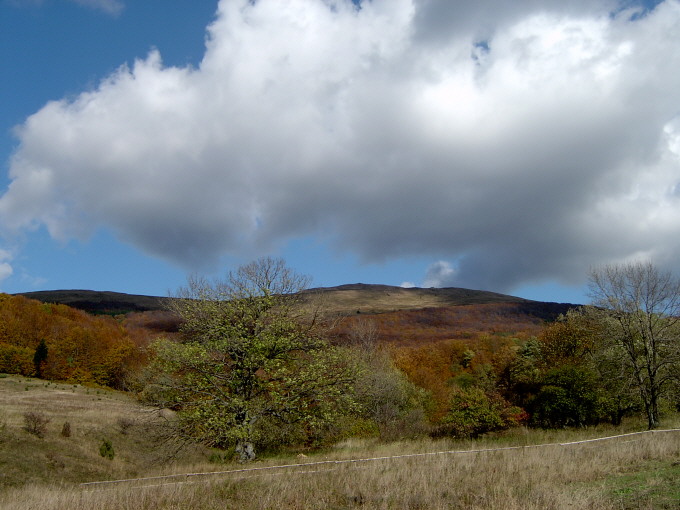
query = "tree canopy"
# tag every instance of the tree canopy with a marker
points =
(252, 365)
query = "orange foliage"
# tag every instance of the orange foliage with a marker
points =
(434, 346)
(430, 367)
(434, 365)
(81, 348)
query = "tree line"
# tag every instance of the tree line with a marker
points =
(58, 342)
(254, 366)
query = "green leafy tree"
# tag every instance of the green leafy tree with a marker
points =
(252, 360)
(568, 397)
(520, 380)
(620, 396)
(580, 339)
(638, 307)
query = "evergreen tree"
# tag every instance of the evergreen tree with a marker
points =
(40, 357)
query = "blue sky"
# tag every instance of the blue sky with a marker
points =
(418, 142)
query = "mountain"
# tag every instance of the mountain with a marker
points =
(97, 302)
(365, 298)
(343, 299)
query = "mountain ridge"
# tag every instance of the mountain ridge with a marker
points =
(343, 299)
(94, 301)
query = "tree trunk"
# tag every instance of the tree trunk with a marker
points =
(653, 406)
(653, 412)
(245, 451)
(652, 420)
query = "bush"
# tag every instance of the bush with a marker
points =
(474, 412)
(36, 423)
(106, 449)
(388, 399)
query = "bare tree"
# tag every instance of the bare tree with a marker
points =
(364, 334)
(640, 305)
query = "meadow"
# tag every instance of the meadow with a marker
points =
(517, 469)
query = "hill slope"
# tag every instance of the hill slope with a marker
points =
(72, 456)
(364, 298)
(344, 299)
(98, 302)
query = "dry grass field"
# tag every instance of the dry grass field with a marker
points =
(505, 472)
(92, 414)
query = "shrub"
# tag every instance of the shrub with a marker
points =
(36, 423)
(475, 412)
(388, 399)
(106, 449)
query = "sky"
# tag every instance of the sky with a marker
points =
(493, 145)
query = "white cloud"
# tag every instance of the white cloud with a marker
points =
(377, 129)
(113, 7)
(440, 274)
(6, 269)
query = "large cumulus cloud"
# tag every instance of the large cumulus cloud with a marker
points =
(523, 144)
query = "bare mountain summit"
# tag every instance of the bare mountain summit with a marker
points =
(365, 298)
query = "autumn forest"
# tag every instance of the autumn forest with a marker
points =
(460, 370)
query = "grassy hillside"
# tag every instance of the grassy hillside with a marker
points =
(631, 472)
(370, 299)
(343, 300)
(72, 456)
